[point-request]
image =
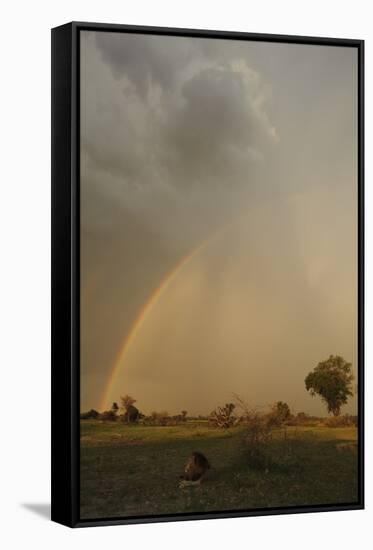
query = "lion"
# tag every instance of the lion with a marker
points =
(195, 470)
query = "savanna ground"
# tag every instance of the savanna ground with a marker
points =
(132, 470)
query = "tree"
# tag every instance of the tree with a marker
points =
(280, 412)
(115, 408)
(132, 414)
(332, 381)
(126, 402)
(184, 415)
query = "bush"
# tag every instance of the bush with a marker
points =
(265, 452)
(304, 419)
(279, 414)
(108, 416)
(343, 421)
(257, 438)
(88, 415)
(223, 417)
(164, 419)
(161, 418)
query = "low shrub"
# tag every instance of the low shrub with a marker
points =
(343, 421)
(304, 419)
(161, 418)
(89, 415)
(108, 416)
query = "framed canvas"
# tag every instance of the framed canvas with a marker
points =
(207, 274)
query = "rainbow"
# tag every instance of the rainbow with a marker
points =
(145, 311)
(152, 301)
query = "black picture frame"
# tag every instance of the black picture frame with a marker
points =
(66, 270)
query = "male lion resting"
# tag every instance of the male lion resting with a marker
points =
(195, 470)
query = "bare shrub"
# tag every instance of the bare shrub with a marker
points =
(257, 437)
(257, 434)
(223, 417)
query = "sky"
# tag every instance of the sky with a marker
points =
(218, 220)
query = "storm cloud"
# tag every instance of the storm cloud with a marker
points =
(176, 117)
(249, 148)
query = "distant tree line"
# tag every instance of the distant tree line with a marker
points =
(330, 379)
(129, 414)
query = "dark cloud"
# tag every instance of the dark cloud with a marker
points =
(185, 139)
(218, 134)
(181, 116)
(147, 61)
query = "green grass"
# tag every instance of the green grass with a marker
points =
(134, 470)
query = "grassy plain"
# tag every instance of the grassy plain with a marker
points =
(133, 470)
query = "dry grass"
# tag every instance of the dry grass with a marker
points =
(134, 470)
